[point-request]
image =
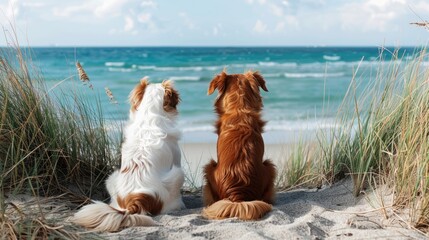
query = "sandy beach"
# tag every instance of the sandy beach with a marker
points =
(330, 212)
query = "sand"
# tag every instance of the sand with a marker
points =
(331, 212)
(328, 213)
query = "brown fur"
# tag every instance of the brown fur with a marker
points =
(140, 203)
(136, 96)
(240, 175)
(171, 97)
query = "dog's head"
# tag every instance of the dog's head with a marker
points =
(238, 91)
(161, 97)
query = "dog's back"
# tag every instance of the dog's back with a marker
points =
(150, 177)
(240, 184)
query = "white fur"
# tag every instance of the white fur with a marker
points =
(150, 143)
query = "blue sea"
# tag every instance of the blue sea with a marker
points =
(306, 84)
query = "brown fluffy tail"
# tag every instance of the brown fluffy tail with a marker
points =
(102, 217)
(243, 210)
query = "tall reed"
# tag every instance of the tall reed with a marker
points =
(51, 140)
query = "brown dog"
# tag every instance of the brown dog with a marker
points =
(240, 184)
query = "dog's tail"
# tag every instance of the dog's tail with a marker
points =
(251, 210)
(100, 216)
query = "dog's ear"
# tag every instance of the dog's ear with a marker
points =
(171, 96)
(219, 83)
(260, 80)
(136, 96)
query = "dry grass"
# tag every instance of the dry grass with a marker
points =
(382, 138)
(51, 142)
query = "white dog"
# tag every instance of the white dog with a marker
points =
(150, 177)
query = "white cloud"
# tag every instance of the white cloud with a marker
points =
(71, 10)
(384, 4)
(144, 17)
(422, 6)
(149, 3)
(33, 4)
(287, 21)
(260, 27)
(280, 26)
(187, 20)
(11, 9)
(217, 29)
(113, 31)
(276, 10)
(129, 24)
(147, 21)
(110, 7)
(372, 15)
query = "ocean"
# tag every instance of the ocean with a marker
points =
(306, 84)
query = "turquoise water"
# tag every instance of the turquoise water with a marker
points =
(306, 85)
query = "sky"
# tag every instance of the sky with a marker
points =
(216, 22)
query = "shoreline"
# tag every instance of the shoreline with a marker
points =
(196, 155)
(271, 136)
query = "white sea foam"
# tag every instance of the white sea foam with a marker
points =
(267, 63)
(300, 125)
(246, 65)
(116, 69)
(274, 64)
(185, 78)
(114, 64)
(146, 67)
(313, 75)
(195, 68)
(285, 125)
(203, 128)
(273, 75)
(331, 58)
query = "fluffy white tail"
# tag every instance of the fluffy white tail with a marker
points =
(102, 217)
(251, 210)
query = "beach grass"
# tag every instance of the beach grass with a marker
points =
(390, 134)
(382, 137)
(52, 141)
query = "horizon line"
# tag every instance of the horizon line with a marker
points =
(216, 46)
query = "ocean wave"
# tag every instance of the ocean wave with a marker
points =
(273, 74)
(331, 58)
(114, 64)
(290, 125)
(203, 128)
(116, 69)
(264, 66)
(313, 75)
(185, 78)
(243, 65)
(196, 68)
(300, 125)
(272, 64)
(144, 67)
